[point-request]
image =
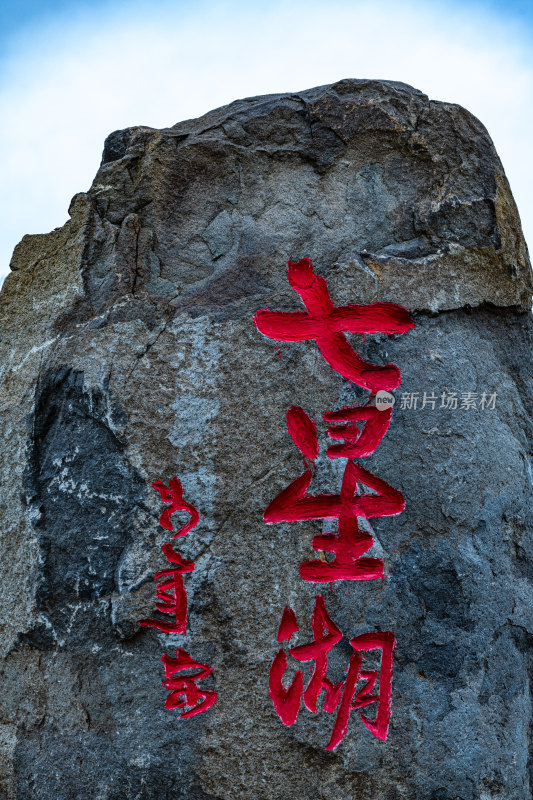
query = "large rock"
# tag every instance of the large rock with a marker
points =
(129, 354)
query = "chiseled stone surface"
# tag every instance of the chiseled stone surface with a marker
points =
(128, 354)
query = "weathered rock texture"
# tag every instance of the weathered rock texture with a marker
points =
(129, 354)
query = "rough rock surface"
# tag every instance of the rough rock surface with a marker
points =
(128, 354)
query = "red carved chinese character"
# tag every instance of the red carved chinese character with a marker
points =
(173, 495)
(293, 504)
(343, 695)
(326, 324)
(184, 691)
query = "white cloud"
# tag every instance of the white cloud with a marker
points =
(65, 87)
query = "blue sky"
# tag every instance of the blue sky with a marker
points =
(72, 72)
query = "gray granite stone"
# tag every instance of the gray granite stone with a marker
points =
(128, 354)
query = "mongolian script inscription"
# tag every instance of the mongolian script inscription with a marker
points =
(185, 694)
